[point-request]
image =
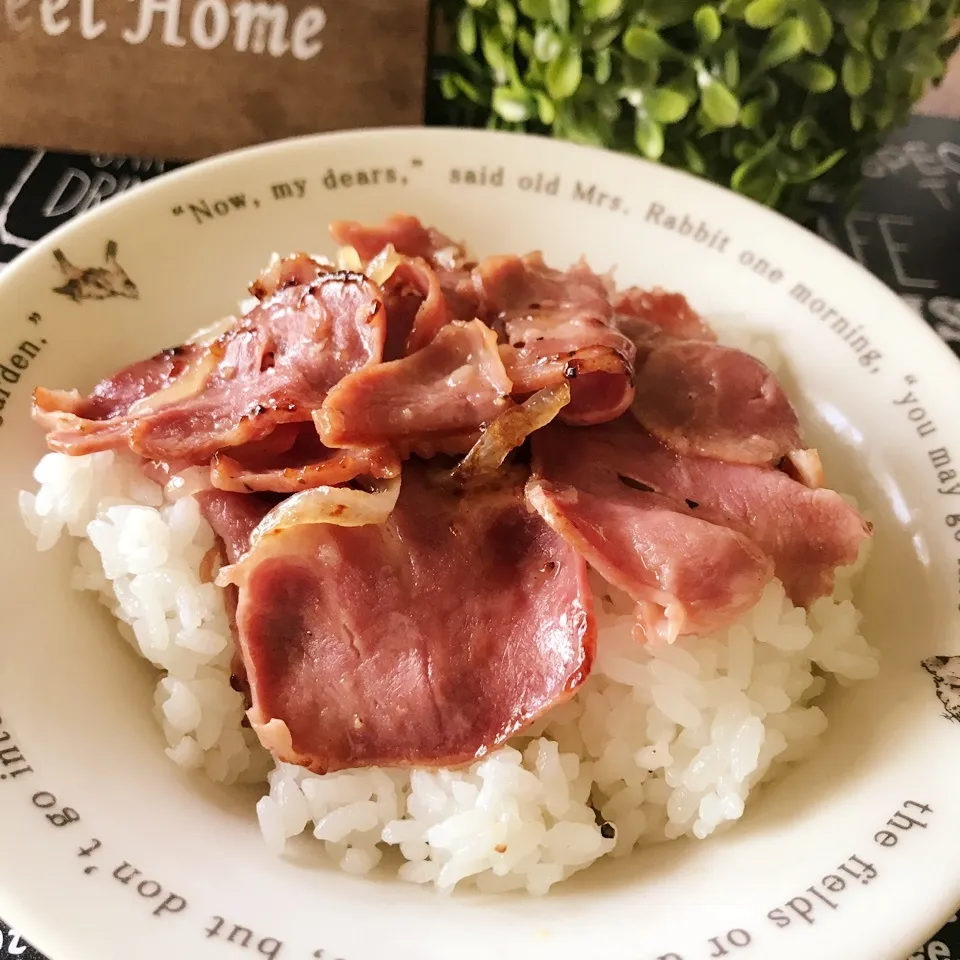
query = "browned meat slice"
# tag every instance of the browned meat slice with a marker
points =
(295, 270)
(450, 388)
(438, 264)
(558, 325)
(426, 640)
(406, 234)
(702, 399)
(416, 307)
(115, 396)
(233, 517)
(668, 312)
(289, 466)
(808, 533)
(273, 366)
(687, 575)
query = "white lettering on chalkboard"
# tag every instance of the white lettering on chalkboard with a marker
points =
(895, 247)
(258, 26)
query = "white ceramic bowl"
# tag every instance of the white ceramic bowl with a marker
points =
(75, 705)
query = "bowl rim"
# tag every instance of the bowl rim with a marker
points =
(922, 332)
(201, 168)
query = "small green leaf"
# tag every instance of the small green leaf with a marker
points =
(905, 15)
(707, 23)
(525, 42)
(758, 181)
(494, 52)
(704, 126)
(735, 9)
(462, 85)
(926, 65)
(769, 92)
(801, 132)
(856, 11)
(600, 9)
(564, 73)
(806, 174)
(511, 105)
(880, 41)
(535, 9)
(448, 87)
(669, 13)
(695, 162)
(599, 36)
(752, 113)
(857, 33)
(648, 136)
(812, 75)
(507, 15)
(580, 129)
(786, 41)
(858, 116)
(731, 68)
(718, 103)
(603, 66)
(885, 116)
(546, 44)
(477, 4)
(640, 73)
(644, 44)
(545, 108)
(743, 150)
(857, 73)
(560, 11)
(753, 176)
(819, 26)
(666, 105)
(467, 31)
(764, 14)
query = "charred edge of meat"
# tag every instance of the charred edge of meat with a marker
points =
(344, 276)
(177, 351)
(636, 484)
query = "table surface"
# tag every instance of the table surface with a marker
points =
(905, 229)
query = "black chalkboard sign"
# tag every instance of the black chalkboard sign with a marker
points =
(905, 227)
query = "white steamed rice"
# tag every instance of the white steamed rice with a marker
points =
(661, 741)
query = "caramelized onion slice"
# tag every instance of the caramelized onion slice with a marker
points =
(804, 466)
(348, 259)
(509, 430)
(342, 506)
(379, 269)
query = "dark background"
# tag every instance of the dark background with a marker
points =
(905, 228)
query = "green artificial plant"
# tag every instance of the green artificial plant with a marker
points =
(764, 96)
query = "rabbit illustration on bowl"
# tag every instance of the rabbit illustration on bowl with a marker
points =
(95, 283)
(946, 675)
